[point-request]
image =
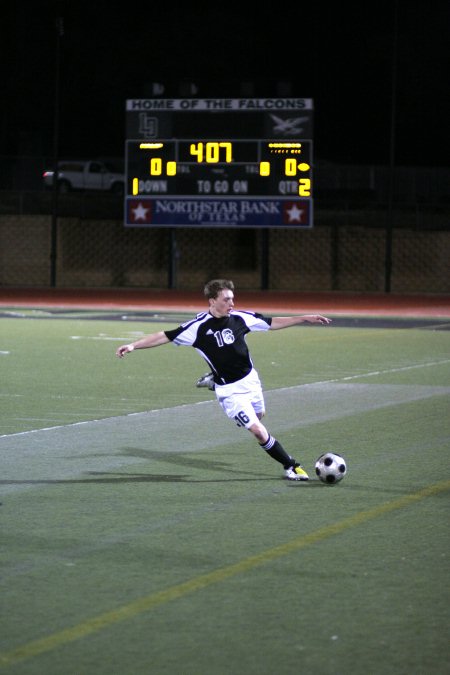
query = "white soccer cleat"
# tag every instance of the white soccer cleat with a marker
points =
(206, 380)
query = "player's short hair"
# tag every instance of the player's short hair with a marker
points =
(213, 287)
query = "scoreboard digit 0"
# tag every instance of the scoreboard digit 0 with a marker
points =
(219, 162)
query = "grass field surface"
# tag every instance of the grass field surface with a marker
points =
(143, 533)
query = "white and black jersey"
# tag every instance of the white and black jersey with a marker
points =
(221, 341)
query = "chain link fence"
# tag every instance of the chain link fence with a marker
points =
(345, 251)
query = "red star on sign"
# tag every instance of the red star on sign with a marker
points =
(140, 211)
(293, 214)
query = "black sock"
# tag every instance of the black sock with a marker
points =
(277, 452)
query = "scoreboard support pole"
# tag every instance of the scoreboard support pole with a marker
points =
(55, 188)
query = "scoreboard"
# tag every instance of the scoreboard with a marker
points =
(219, 162)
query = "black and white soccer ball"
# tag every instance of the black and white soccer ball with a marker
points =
(331, 468)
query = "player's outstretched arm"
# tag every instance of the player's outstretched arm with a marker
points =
(153, 340)
(286, 321)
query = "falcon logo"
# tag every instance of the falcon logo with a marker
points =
(289, 127)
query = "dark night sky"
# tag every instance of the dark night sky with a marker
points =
(341, 57)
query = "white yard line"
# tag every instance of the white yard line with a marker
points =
(309, 384)
(62, 453)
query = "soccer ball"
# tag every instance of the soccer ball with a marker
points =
(331, 468)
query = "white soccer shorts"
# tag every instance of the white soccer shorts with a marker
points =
(243, 400)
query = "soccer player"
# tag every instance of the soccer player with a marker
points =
(219, 337)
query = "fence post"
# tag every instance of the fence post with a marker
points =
(265, 248)
(54, 230)
(389, 224)
(173, 258)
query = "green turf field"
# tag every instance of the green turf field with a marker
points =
(143, 533)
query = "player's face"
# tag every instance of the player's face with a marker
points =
(223, 304)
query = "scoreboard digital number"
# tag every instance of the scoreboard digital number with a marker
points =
(219, 162)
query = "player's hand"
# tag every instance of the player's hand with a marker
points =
(124, 349)
(317, 318)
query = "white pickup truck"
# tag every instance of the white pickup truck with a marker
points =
(91, 175)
